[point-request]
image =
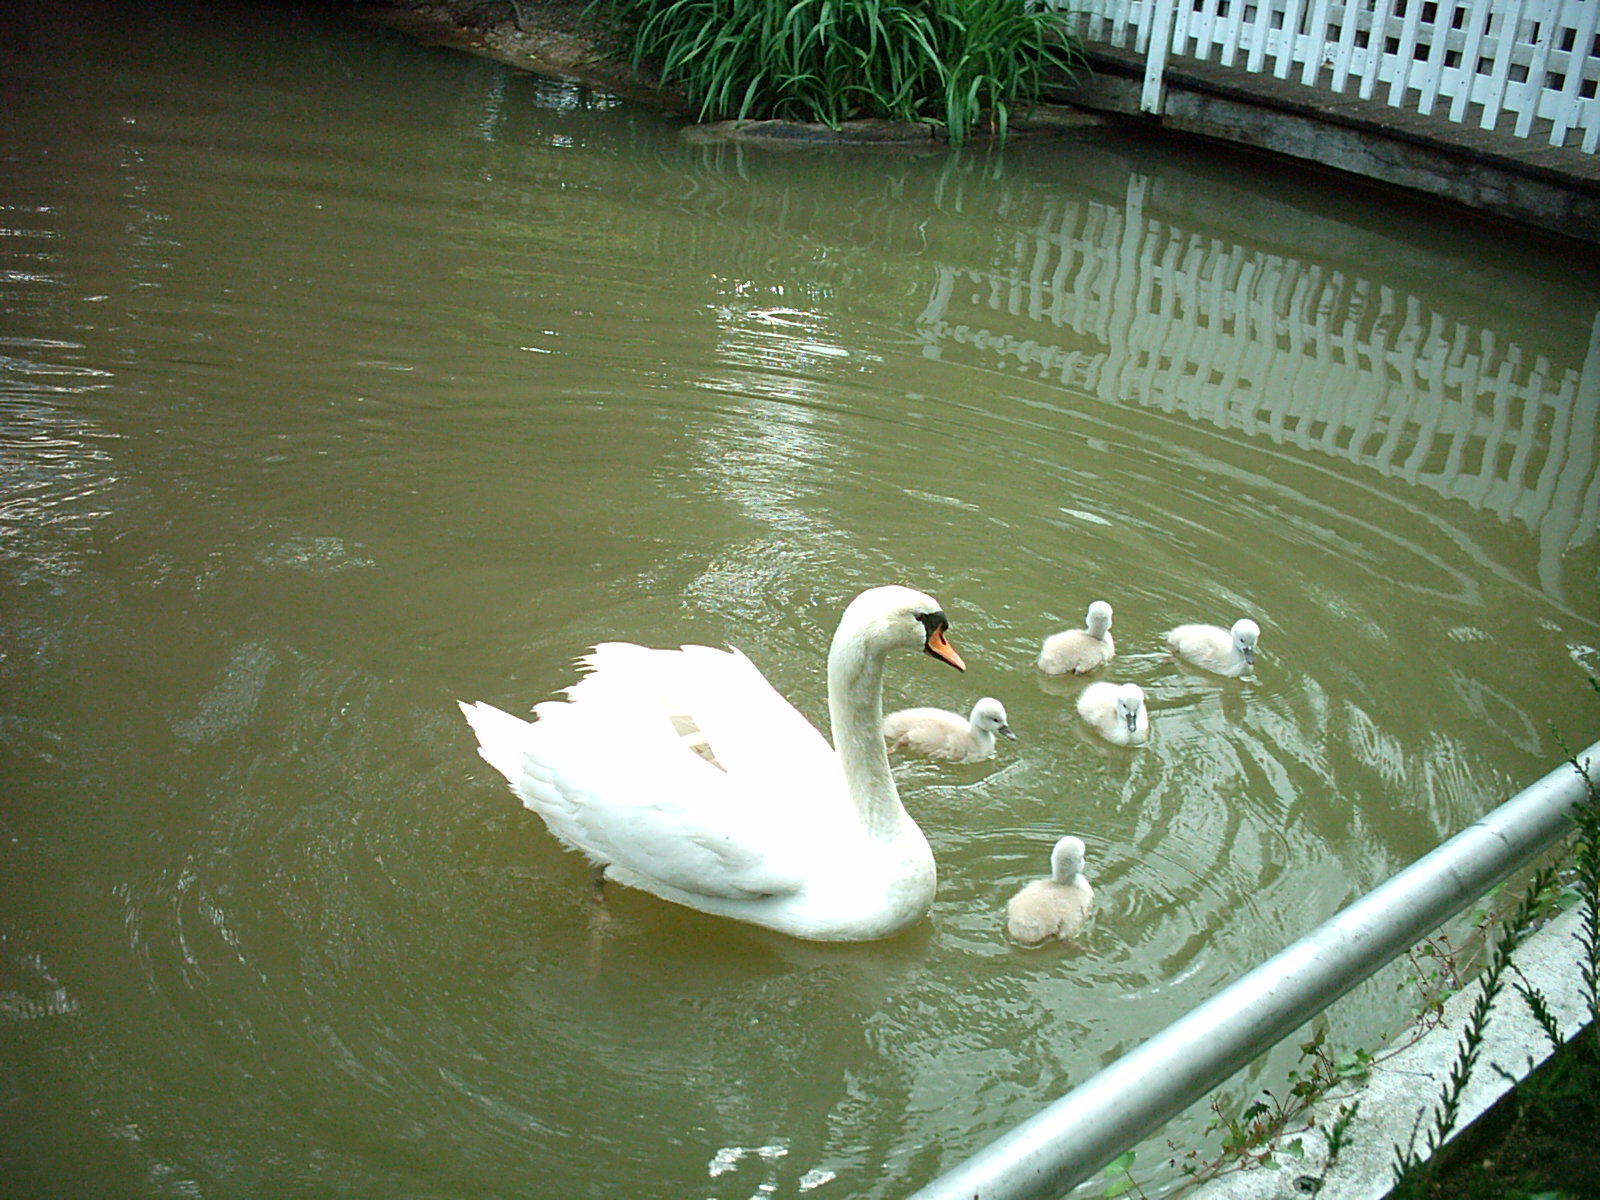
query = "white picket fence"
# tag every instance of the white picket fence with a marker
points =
(1528, 67)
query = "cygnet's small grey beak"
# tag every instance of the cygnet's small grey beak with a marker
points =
(1133, 722)
(1250, 655)
(1006, 729)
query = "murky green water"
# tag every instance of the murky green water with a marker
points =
(343, 377)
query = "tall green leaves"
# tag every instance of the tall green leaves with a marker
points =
(958, 62)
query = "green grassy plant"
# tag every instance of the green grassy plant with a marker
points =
(956, 62)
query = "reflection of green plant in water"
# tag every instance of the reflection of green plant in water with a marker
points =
(955, 61)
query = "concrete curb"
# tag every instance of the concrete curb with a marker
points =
(1409, 1084)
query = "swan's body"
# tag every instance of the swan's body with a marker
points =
(1056, 907)
(1079, 651)
(684, 773)
(1116, 712)
(947, 735)
(1230, 652)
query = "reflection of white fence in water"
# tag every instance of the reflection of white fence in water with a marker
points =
(1472, 59)
(1132, 310)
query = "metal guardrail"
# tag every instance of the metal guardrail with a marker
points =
(1078, 1134)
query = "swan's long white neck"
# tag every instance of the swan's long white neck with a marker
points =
(855, 707)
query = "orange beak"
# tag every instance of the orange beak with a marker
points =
(939, 646)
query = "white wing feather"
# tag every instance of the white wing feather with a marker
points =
(776, 756)
(613, 776)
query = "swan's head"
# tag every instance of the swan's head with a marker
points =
(1066, 860)
(1245, 634)
(898, 618)
(1130, 703)
(989, 716)
(1099, 619)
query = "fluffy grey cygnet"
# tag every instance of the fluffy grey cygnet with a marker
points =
(1230, 652)
(1116, 712)
(1056, 907)
(1079, 651)
(947, 735)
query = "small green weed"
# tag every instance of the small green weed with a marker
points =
(1119, 1176)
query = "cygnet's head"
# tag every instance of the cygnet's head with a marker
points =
(989, 715)
(1099, 618)
(1066, 860)
(1245, 634)
(1130, 699)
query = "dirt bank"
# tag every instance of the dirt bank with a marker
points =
(550, 37)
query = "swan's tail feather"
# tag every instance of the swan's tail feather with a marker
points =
(501, 737)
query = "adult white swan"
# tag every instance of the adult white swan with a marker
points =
(684, 773)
